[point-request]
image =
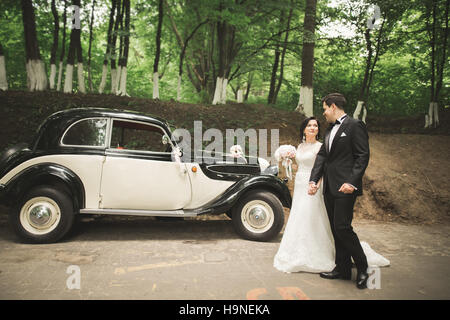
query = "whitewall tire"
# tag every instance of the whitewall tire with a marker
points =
(258, 216)
(44, 215)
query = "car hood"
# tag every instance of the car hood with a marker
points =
(225, 166)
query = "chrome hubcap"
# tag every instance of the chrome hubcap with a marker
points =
(257, 216)
(40, 215)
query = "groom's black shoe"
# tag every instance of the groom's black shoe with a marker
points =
(336, 274)
(361, 279)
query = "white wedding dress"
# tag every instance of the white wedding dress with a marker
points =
(307, 244)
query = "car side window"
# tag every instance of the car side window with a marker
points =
(137, 136)
(89, 132)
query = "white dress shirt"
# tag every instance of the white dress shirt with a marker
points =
(334, 130)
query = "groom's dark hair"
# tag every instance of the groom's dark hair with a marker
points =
(337, 98)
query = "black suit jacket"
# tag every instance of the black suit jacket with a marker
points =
(347, 160)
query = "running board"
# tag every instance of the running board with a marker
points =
(141, 213)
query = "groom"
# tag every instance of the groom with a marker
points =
(341, 162)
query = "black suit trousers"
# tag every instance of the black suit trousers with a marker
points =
(340, 214)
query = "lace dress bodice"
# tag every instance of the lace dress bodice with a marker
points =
(306, 155)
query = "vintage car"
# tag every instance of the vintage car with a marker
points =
(104, 161)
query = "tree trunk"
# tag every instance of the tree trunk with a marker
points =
(75, 50)
(283, 53)
(223, 96)
(249, 85)
(218, 91)
(362, 99)
(91, 87)
(437, 67)
(240, 97)
(63, 50)
(305, 104)
(182, 54)
(107, 56)
(158, 52)
(36, 75)
(276, 63)
(197, 80)
(273, 78)
(114, 75)
(120, 59)
(3, 79)
(54, 46)
(124, 59)
(228, 48)
(369, 71)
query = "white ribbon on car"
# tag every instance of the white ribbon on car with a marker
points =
(176, 156)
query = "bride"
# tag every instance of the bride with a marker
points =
(307, 244)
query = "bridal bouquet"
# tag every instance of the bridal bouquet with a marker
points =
(286, 153)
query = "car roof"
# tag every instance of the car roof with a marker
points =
(54, 126)
(105, 112)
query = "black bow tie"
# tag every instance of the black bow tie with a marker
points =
(339, 122)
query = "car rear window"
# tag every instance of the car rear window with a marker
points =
(89, 132)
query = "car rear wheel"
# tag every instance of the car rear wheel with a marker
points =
(258, 216)
(44, 215)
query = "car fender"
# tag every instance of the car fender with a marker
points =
(229, 198)
(44, 174)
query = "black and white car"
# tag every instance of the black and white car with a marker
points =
(104, 161)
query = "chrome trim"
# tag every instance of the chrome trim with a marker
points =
(142, 213)
(112, 151)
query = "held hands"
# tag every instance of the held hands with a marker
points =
(345, 188)
(312, 189)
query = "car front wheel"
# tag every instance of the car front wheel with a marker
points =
(258, 216)
(44, 215)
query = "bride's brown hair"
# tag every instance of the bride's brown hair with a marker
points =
(303, 127)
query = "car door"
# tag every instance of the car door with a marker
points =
(138, 172)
